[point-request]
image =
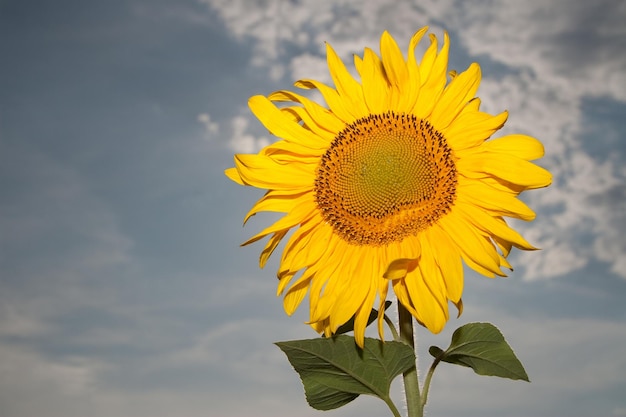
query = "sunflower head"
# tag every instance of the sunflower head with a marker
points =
(394, 182)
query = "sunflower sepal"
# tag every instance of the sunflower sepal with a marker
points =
(335, 371)
(483, 348)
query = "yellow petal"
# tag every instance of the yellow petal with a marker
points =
(322, 117)
(375, 87)
(449, 261)
(382, 297)
(495, 201)
(521, 146)
(272, 243)
(431, 274)
(402, 293)
(428, 308)
(300, 213)
(504, 245)
(363, 311)
(275, 202)
(473, 246)
(393, 61)
(332, 98)
(428, 59)
(308, 251)
(310, 124)
(350, 291)
(408, 99)
(285, 152)
(320, 309)
(282, 126)
(396, 71)
(491, 226)
(295, 295)
(455, 97)
(509, 168)
(347, 87)
(263, 172)
(433, 77)
(398, 268)
(358, 64)
(233, 174)
(459, 306)
(472, 128)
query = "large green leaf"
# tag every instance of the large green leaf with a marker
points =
(334, 371)
(482, 347)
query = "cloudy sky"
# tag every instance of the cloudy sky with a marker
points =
(123, 289)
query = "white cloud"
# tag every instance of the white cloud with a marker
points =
(275, 26)
(577, 47)
(586, 219)
(241, 140)
(259, 21)
(210, 127)
(311, 66)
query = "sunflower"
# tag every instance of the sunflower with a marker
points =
(395, 182)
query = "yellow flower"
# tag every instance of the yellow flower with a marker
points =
(394, 182)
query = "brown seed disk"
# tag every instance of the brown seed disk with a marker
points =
(385, 177)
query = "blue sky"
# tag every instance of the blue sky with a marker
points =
(123, 289)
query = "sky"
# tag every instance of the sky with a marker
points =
(123, 289)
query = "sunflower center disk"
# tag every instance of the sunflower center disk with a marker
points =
(385, 177)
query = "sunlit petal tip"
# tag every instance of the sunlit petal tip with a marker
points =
(256, 100)
(358, 63)
(233, 174)
(331, 56)
(415, 39)
(304, 84)
(502, 118)
(380, 322)
(294, 297)
(359, 339)
(459, 307)
(283, 282)
(505, 264)
(387, 42)
(436, 324)
(540, 178)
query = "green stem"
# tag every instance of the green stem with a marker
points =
(394, 332)
(426, 387)
(392, 407)
(411, 384)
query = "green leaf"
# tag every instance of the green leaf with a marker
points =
(482, 347)
(334, 371)
(349, 325)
